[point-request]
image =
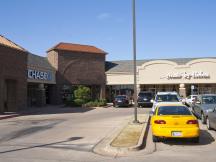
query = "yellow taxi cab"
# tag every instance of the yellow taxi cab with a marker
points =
(171, 120)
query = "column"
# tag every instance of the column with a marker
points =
(182, 90)
(138, 88)
(41, 95)
(102, 92)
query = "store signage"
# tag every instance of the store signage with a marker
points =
(188, 75)
(39, 75)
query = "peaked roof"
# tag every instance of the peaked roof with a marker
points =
(8, 43)
(77, 48)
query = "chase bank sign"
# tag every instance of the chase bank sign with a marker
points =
(39, 75)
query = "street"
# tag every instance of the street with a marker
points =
(71, 135)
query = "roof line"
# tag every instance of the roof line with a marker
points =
(56, 46)
(163, 59)
(22, 49)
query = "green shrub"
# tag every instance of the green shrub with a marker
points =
(97, 103)
(91, 104)
(83, 93)
(79, 102)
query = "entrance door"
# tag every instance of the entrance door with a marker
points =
(10, 96)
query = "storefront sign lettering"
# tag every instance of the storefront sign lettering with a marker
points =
(188, 75)
(39, 75)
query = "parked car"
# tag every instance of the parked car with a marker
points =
(211, 119)
(145, 99)
(190, 100)
(121, 101)
(171, 120)
(205, 103)
(165, 97)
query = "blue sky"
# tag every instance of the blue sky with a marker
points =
(165, 28)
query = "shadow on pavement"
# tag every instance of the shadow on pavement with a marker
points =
(205, 139)
(49, 145)
(28, 131)
(54, 110)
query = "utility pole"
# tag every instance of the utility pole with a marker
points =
(134, 60)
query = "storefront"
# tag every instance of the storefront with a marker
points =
(77, 65)
(28, 80)
(38, 81)
(41, 80)
(186, 76)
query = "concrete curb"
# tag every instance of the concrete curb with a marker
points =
(9, 116)
(104, 146)
(142, 140)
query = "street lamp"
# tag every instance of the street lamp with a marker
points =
(134, 60)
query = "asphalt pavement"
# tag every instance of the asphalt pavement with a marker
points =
(71, 135)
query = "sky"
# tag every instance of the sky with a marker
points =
(165, 28)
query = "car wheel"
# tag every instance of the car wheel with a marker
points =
(195, 140)
(208, 124)
(155, 139)
(203, 119)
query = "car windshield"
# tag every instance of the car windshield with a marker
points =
(120, 97)
(209, 99)
(145, 95)
(167, 98)
(173, 110)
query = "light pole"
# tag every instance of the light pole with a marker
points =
(134, 60)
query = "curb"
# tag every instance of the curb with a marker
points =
(9, 116)
(142, 140)
(104, 146)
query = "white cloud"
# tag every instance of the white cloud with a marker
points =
(104, 16)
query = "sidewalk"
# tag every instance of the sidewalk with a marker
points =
(130, 137)
(8, 115)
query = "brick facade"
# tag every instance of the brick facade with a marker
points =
(78, 68)
(13, 79)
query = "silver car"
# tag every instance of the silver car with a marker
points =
(211, 119)
(172, 97)
(204, 104)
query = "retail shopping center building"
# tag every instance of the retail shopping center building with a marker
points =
(28, 80)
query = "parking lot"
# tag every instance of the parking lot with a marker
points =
(70, 135)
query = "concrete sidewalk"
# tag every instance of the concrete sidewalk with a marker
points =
(8, 115)
(130, 137)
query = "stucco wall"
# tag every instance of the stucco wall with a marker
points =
(119, 78)
(158, 72)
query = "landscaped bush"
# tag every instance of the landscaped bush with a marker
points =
(83, 93)
(79, 102)
(82, 97)
(97, 103)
